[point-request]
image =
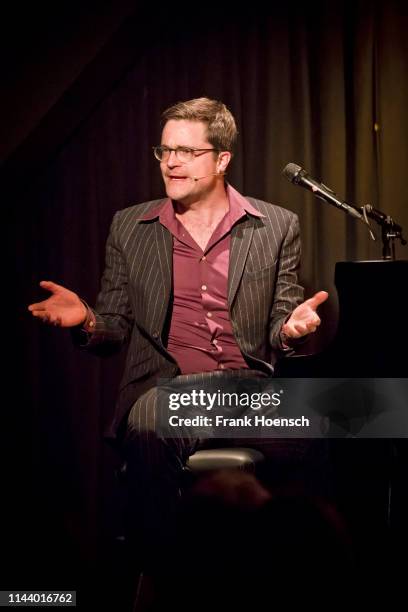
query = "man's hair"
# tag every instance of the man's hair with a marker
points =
(221, 128)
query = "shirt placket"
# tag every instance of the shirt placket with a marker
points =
(209, 308)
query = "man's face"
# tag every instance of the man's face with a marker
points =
(179, 176)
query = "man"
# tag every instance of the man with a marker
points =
(200, 285)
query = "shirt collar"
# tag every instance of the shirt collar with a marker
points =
(239, 203)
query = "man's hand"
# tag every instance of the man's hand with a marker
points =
(304, 319)
(63, 308)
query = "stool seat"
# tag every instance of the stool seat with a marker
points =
(206, 460)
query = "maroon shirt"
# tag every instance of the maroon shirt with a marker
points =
(200, 337)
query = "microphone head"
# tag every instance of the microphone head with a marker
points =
(292, 172)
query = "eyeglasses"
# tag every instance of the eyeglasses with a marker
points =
(183, 154)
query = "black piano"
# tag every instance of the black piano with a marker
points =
(372, 331)
(370, 475)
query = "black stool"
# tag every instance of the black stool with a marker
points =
(246, 459)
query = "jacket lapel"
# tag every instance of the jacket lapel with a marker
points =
(241, 238)
(164, 258)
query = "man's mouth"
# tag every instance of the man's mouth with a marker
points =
(176, 178)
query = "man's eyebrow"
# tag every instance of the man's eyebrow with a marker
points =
(178, 147)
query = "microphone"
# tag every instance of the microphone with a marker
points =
(197, 178)
(298, 176)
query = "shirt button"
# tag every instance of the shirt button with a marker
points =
(203, 258)
(222, 366)
(209, 314)
(204, 287)
(215, 341)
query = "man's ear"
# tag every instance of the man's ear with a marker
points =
(224, 159)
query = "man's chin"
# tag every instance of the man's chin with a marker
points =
(177, 192)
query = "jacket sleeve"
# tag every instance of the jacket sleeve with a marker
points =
(113, 313)
(288, 292)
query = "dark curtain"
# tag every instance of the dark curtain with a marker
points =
(320, 84)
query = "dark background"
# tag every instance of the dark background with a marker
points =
(83, 86)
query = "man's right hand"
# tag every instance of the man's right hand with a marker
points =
(63, 308)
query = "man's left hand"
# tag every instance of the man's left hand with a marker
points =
(304, 319)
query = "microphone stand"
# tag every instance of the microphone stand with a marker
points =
(389, 230)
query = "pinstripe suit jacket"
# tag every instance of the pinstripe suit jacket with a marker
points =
(135, 301)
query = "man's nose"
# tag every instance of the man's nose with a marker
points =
(172, 159)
